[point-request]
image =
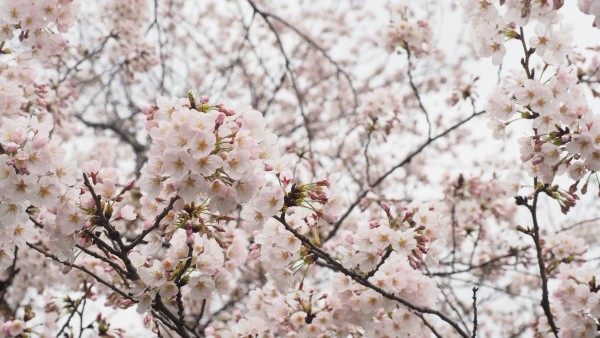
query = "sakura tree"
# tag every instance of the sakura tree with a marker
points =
(252, 168)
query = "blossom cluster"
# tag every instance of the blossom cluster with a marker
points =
(413, 234)
(551, 40)
(271, 312)
(473, 206)
(129, 23)
(21, 95)
(381, 112)
(209, 159)
(405, 33)
(129, 19)
(577, 303)
(349, 309)
(209, 153)
(565, 128)
(563, 247)
(309, 209)
(38, 24)
(33, 174)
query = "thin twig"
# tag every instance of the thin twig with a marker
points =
(402, 163)
(474, 312)
(416, 90)
(84, 269)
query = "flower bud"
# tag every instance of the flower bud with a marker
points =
(40, 140)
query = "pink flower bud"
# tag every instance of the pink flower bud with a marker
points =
(130, 185)
(374, 225)
(386, 207)
(537, 159)
(40, 140)
(557, 4)
(11, 147)
(147, 110)
(220, 119)
(87, 201)
(329, 218)
(412, 263)
(254, 254)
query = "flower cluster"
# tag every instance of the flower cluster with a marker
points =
(577, 303)
(129, 23)
(309, 208)
(13, 328)
(21, 95)
(406, 34)
(381, 111)
(563, 247)
(193, 260)
(476, 200)
(38, 23)
(551, 41)
(128, 19)
(209, 154)
(207, 160)
(413, 234)
(565, 129)
(270, 312)
(474, 205)
(33, 174)
(350, 309)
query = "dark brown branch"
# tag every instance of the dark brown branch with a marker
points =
(381, 262)
(83, 269)
(474, 312)
(580, 223)
(4, 285)
(528, 53)
(545, 302)
(106, 260)
(155, 225)
(429, 326)
(113, 234)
